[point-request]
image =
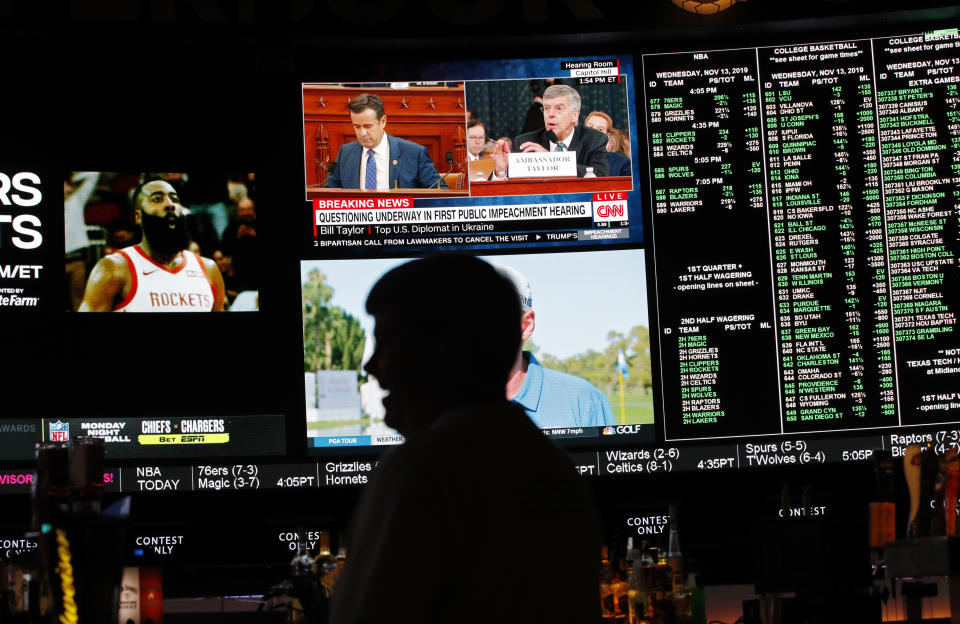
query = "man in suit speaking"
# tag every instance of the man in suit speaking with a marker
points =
(560, 133)
(378, 161)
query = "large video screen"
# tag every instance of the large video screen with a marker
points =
(530, 161)
(147, 240)
(570, 346)
(746, 256)
(486, 155)
(161, 242)
(805, 211)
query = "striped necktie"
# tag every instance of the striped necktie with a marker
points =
(561, 147)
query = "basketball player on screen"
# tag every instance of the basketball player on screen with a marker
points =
(158, 274)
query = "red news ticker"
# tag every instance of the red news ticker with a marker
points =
(610, 196)
(360, 203)
(363, 203)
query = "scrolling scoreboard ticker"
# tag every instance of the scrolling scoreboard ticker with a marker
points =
(352, 471)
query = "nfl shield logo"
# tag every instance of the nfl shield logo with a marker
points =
(59, 432)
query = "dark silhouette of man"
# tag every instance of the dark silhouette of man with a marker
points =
(475, 484)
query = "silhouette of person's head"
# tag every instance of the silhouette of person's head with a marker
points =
(446, 336)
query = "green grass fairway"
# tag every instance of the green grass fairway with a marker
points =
(638, 406)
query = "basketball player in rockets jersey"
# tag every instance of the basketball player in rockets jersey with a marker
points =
(158, 274)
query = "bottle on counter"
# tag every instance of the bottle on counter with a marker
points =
(607, 603)
(644, 572)
(679, 586)
(637, 591)
(621, 593)
(324, 561)
(663, 577)
(675, 557)
(51, 490)
(87, 455)
(302, 562)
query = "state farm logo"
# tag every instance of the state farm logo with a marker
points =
(610, 206)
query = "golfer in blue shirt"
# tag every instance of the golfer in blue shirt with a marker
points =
(550, 398)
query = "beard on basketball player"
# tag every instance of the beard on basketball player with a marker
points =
(166, 235)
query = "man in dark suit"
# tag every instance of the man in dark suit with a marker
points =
(561, 111)
(378, 161)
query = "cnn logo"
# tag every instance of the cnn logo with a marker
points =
(610, 211)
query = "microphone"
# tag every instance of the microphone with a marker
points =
(449, 158)
(552, 136)
(330, 167)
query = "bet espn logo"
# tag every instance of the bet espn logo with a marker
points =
(610, 206)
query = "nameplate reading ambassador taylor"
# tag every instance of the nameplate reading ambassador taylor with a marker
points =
(542, 164)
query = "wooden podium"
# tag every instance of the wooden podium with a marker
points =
(434, 117)
(320, 193)
(495, 188)
(547, 186)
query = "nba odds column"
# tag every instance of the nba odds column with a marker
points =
(806, 235)
(711, 244)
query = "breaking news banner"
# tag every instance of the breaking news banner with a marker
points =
(590, 307)
(384, 222)
(521, 154)
(25, 208)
